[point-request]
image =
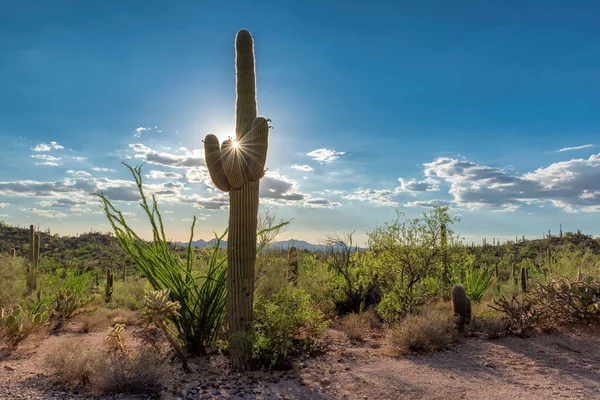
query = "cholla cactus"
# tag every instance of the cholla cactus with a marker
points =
(115, 337)
(157, 309)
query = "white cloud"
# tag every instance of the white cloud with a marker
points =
(48, 164)
(572, 185)
(382, 197)
(79, 173)
(306, 168)
(99, 169)
(45, 157)
(325, 155)
(46, 213)
(191, 159)
(139, 131)
(429, 203)
(47, 147)
(427, 185)
(2, 205)
(79, 158)
(154, 174)
(585, 146)
(321, 203)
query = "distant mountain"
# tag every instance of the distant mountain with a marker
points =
(280, 245)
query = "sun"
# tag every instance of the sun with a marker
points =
(235, 144)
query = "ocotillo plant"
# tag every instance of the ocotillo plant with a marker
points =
(108, 287)
(293, 265)
(236, 166)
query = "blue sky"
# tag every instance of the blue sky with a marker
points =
(375, 106)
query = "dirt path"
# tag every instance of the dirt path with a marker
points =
(563, 365)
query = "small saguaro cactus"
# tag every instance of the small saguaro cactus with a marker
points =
(13, 253)
(34, 257)
(293, 265)
(461, 305)
(236, 166)
(108, 287)
(524, 276)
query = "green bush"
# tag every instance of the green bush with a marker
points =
(430, 330)
(12, 280)
(283, 319)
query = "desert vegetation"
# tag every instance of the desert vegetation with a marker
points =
(135, 310)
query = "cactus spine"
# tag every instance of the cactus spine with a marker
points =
(461, 306)
(293, 265)
(237, 167)
(108, 287)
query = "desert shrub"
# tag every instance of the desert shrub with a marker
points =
(355, 286)
(129, 294)
(282, 319)
(488, 322)
(476, 281)
(271, 273)
(430, 330)
(567, 300)
(71, 295)
(318, 280)
(358, 326)
(102, 373)
(407, 252)
(519, 313)
(12, 280)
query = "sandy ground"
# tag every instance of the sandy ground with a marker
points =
(560, 365)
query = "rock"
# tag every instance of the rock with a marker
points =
(325, 382)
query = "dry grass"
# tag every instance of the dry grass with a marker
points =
(431, 330)
(358, 326)
(104, 317)
(102, 372)
(488, 322)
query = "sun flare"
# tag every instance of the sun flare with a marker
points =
(235, 144)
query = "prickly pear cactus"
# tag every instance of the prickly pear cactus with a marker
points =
(461, 305)
(236, 166)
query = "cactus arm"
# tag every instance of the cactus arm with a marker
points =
(257, 146)
(232, 164)
(212, 153)
(245, 109)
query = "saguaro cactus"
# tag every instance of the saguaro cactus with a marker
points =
(34, 257)
(236, 166)
(108, 287)
(293, 265)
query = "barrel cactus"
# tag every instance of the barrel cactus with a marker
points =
(461, 305)
(236, 166)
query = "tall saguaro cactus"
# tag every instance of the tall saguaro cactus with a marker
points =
(236, 166)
